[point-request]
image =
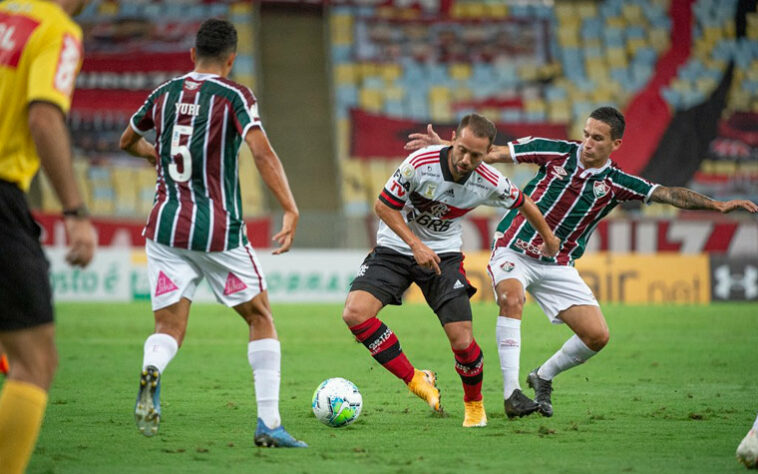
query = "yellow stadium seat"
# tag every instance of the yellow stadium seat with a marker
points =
(390, 72)
(370, 99)
(461, 93)
(498, 10)
(378, 173)
(343, 138)
(632, 13)
(459, 71)
(616, 57)
(586, 10)
(615, 22)
(659, 39)
(559, 112)
(354, 185)
(250, 187)
(527, 72)
(633, 44)
(345, 74)
(396, 93)
(125, 192)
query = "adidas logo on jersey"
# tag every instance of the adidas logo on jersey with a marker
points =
(457, 285)
(449, 193)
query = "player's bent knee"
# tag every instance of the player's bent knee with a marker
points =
(511, 305)
(353, 315)
(598, 341)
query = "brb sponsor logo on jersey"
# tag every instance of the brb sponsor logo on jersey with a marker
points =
(428, 212)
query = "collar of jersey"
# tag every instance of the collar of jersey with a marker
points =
(201, 76)
(587, 172)
(444, 154)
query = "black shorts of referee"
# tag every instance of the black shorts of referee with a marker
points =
(25, 293)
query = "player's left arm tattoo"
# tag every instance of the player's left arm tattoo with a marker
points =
(683, 198)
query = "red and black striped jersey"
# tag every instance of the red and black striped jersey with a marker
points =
(433, 203)
(200, 121)
(572, 198)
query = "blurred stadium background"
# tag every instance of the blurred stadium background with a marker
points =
(342, 83)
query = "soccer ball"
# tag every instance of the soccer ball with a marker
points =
(337, 402)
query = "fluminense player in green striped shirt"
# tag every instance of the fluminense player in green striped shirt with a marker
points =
(196, 230)
(576, 186)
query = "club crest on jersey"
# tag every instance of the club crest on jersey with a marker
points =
(438, 209)
(508, 266)
(431, 188)
(559, 172)
(600, 188)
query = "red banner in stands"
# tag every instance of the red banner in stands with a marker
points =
(128, 232)
(119, 83)
(377, 136)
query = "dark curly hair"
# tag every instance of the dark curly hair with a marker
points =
(613, 118)
(216, 39)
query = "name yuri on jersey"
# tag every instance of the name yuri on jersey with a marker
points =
(187, 109)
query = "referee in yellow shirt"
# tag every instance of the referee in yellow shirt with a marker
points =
(40, 55)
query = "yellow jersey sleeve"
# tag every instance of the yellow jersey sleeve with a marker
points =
(55, 64)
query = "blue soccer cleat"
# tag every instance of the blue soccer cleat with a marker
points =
(147, 410)
(275, 437)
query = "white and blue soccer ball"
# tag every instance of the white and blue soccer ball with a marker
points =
(337, 402)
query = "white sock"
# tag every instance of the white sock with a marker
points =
(159, 350)
(755, 424)
(573, 353)
(508, 336)
(265, 358)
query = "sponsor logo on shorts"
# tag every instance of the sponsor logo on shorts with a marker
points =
(457, 285)
(526, 246)
(233, 284)
(362, 270)
(508, 266)
(164, 285)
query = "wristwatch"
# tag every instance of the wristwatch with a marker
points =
(79, 212)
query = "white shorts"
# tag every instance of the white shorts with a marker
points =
(235, 276)
(554, 287)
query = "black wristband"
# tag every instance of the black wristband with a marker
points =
(80, 212)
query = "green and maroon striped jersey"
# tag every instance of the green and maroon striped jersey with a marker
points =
(200, 121)
(572, 198)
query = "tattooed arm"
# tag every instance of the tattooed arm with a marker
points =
(684, 198)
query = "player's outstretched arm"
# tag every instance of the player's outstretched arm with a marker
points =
(272, 172)
(684, 198)
(50, 135)
(424, 256)
(531, 212)
(132, 143)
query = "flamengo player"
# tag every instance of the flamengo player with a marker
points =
(195, 229)
(576, 186)
(419, 240)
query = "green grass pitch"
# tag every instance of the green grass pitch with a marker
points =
(674, 391)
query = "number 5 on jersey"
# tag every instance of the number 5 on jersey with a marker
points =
(181, 151)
